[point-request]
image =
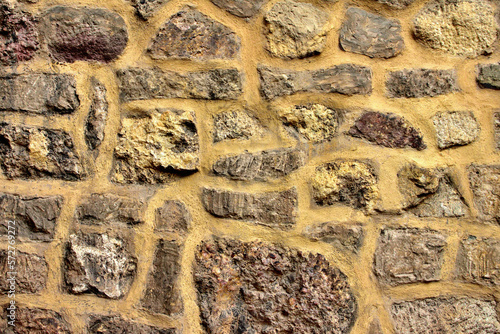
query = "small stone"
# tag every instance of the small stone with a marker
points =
(107, 209)
(340, 236)
(147, 8)
(236, 125)
(371, 35)
(496, 120)
(409, 255)
(478, 261)
(397, 4)
(34, 321)
(387, 130)
(272, 209)
(375, 327)
(489, 76)
(99, 264)
(485, 185)
(115, 324)
(96, 120)
(173, 217)
(415, 83)
(30, 272)
(455, 128)
(88, 34)
(240, 8)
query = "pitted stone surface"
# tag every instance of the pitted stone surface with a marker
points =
(240, 8)
(455, 128)
(236, 125)
(415, 83)
(34, 321)
(29, 272)
(485, 185)
(344, 237)
(147, 8)
(115, 324)
(489, 76)
(98, 113)
(478, 261)
(107, 209)
(173, 216)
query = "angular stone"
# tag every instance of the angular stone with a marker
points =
(29, 272)
(370, 34)
(260, 288)
(190, 34)
(496, 121)
(144, 83)
(107, 209)
(96, 119)
(39, 93)
(173, 217)
(458, 27)
(420, 82)
(485, 185)
(340, 236)
(347, 79)
(100, 264)
(88, 34)
(34, 152)
(147, 8)
(272, 209)
(240, 8)
(162, 292)
(236, 125)
(260, 166)
(455, 128)
(489, 76)
(34, 321)
(478, 261)
(409, 255)
(387, 130)
(156, 148)
(397, 4)
(115, 324)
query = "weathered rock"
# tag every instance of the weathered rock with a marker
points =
(144, 83)
(347, 79)
(272, 209)
(96, 120)
(258, 288)
(415, 83)
(117, 325)
(107, 209)
(455, 128)
(190, 34)
(173, 216)
(409, 256)
(459, 27)
(34, 152)
(89, 34)
(147, 8)
(387, 130)
(343, 237)
(99, 264)
(26, 273)
(371, 35)
(162, 293)
(240, 8)
(34, 321)
(156, 148)
(478, 261)
(485, 185)
(260, 166)
(375, 327)
(397, 4)
(496, 121)
(236, 125)
(489, 76)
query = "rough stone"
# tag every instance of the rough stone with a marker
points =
(416, 83)
(387, 130)
(478, 261)
(98, 113)
(240, 8)
(370, 34)
(407, 255)
(88, 34)
(100, 264)
(236, 125)
(397, 4)
(375, 327)
(144, 83)
(260, 166)
(259, 288)
(107, 209)
(173, 217)
(272, 209)
(147, 8)
(343, 237)
(190, 34)
(489, 76)
(39, 93)
(30, 272)
(496, 121)
(115, 324)
(458, 27)
(347, 79)
(156, 148)
(455, 128)
(485, 185)
(34, 321)
(34, 152)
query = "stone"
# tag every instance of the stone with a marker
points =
(347, 79)
(145, 9)
(455, 128)
(371, 35)
(100, 264)
(36, 152)
(157, 147)
(34, 218)
(240, 8)
(27, 273)
(114, 324)
(30, 320)
(146, 83)
(375, 327)
(485, 186)
(409, 255)
(387, 130)
(87, 34)
(421, 82)
(342, 237)
(489, 76)
(236, 125)
(108, 209)
(254, 287)
(173, 217)
(162, 293)
(98, 113)
(478, 261)
(260, 166)
(39, 93)
(496, 125)
(190, 34)
(458, 27)
(272, 209)
(397, 4)
(446, 315)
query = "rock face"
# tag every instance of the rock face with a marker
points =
(258, 288)
(485, 185)
(371, 35)
(107, 209)
(34, 320)
(478, 261)
(96, 120)
(343, 237)
(459, 27)
(118, 325)
(489, 76)
(147, 8)
(173, 217)
(236, 125)
(89, 34)
(409, 256)
(272, 209)
(191, 35)
(240, 8)
(29, 272)
(455, 128)
(99, 264)
(415, 83)
(33, 152)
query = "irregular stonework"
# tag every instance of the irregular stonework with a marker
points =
(144, 83)
(371, 35)
(107, 209)
(236, 125)
(459, 27)
(34, 321)
(347, 79)
(485, 185)
(100, 264)
(455, 128)
(259, 288)
(489, 76)
(397, 4)
(190, 34)
(240, 8)
(117, 325)
(478, 261)
(343, 237)
(96, 119)
(387, 130)
(89, 34)
(33, 152)
(29, 272)
(173, 217)
(409, 256)
(272, 209)
(147, 8)
(156, 148)
(415, 83)
(260, 166)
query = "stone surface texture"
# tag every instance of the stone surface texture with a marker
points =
(173, 217)
(29, 272)
(348, 237)
(496, 125)
(455, 128)
(489, 76)
(240, 8)
(236, 125)
(107, 209)
(485, 185)
(478, 261)
(98, 113)
(417, 83)
(35, 321)
(117, 325)
(145, 9)
(397, 4)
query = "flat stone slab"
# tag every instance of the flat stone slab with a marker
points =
(420, 82)
(489, 76)
(485, 184)
(478, 261)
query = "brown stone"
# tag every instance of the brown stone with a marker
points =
(115, 324)
(375, 327)
(173, 217)
(416, 83)
(397, 4)
(31, 320)
(147, 8)
(496, 125)
(478, 261)
(107, 209)
(343, 237)
(455, 128)
(22, 272)
(236, 125)
(240, 8)
(485, 185)
(489, 76)
(98, 113)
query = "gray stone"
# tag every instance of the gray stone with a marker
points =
(375, 327)
(445, 202)
(455, 128)
(236, 125)
(343, 237)
(496, 125)
(173, 217)
(485, 185)
(147, 8)
(22, 272)
(240, 8)
(489, 76)
(98, 113)
(415, 83)
(30, 320)
(107, 209)
(114, 324)
(397, 4)
(478, 261)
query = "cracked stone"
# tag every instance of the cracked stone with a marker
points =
(31, 272)
(485, 185)
(240, 8)
(173, 217)
(416, 83)
(98, 113)
(33, 321)
(455, 128)
(114, 324)
(236, 125)
(343, 237)
(107, 209)
(478, 261)
(489, 76)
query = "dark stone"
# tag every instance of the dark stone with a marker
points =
(28, 271)
(489, 76)
(478, 261)
(107, 209)
(415, 83)
(340, 236)
(485, 185)
(240, 8)
(115, 324)
(147, 8)
(96, 120)
(34, 321)
(173, 217)
(236, 125)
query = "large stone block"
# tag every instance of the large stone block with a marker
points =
(478, 261)
(489, 76)
(114, 324)
(416, 83)
(98, 113)
(108, 209)
(236, 125)
(22, 272)
(455, 128)
(485, 185)
(240, 8)
(30, 320)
